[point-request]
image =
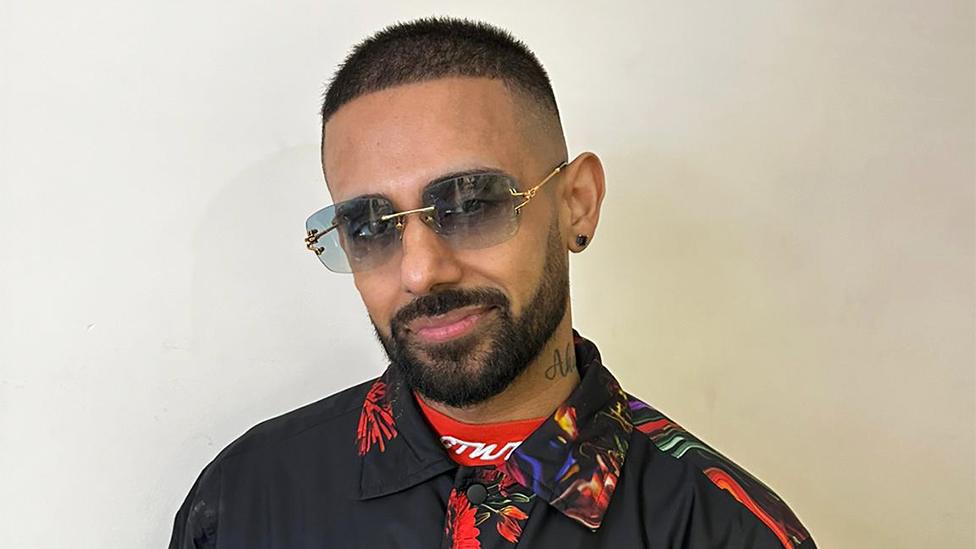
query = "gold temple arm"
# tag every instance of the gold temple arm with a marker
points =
(529, 194)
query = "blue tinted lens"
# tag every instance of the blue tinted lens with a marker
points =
(474, 211)
(352, 236)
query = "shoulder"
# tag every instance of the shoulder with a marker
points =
(709, 467)
(318, 431)
(317, 416)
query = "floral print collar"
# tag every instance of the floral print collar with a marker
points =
(572, 461)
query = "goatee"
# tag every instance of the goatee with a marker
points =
(473, 368)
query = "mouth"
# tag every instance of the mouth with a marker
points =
(448, 326)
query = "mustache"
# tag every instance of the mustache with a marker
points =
(445, 301)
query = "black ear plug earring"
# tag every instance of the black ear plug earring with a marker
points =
(582, 240)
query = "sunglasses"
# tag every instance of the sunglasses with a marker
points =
(468, 211)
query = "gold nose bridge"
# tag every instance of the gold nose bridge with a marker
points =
(399, 216)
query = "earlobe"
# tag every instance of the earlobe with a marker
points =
(583, 195)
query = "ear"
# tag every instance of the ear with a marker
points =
(582, 196)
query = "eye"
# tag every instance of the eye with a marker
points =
(472, 194)
(362, 219)
(367, 229)
(469, 200)
(472, 205)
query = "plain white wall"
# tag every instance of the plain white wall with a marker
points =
(785, 263)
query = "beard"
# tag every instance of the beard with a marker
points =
(473, 368)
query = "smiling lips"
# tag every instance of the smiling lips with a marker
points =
(441, 328)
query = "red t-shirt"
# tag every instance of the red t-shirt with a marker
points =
(478, 444)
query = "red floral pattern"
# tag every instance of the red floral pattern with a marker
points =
(508, 523)
(460, 527)
(502, 504)
(376, 424)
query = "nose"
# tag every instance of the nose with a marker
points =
(426, 261)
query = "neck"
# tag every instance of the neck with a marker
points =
(545, 384)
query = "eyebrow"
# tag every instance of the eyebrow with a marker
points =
(440, 179)
(464, 173)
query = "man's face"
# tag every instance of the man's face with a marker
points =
(461, 324)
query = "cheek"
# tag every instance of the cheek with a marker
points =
(379, 295)
(514, 266)
(532, 244)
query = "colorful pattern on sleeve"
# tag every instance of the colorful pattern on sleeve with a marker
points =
(761, 501)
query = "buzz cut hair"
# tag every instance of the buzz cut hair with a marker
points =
(439, 47)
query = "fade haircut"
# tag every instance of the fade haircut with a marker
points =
(440, 47)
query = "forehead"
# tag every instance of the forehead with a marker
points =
(395, 141)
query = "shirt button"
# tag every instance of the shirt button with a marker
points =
(477, 494)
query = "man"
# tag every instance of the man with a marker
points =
(495, 424)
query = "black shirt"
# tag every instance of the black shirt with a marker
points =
(362, 468)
